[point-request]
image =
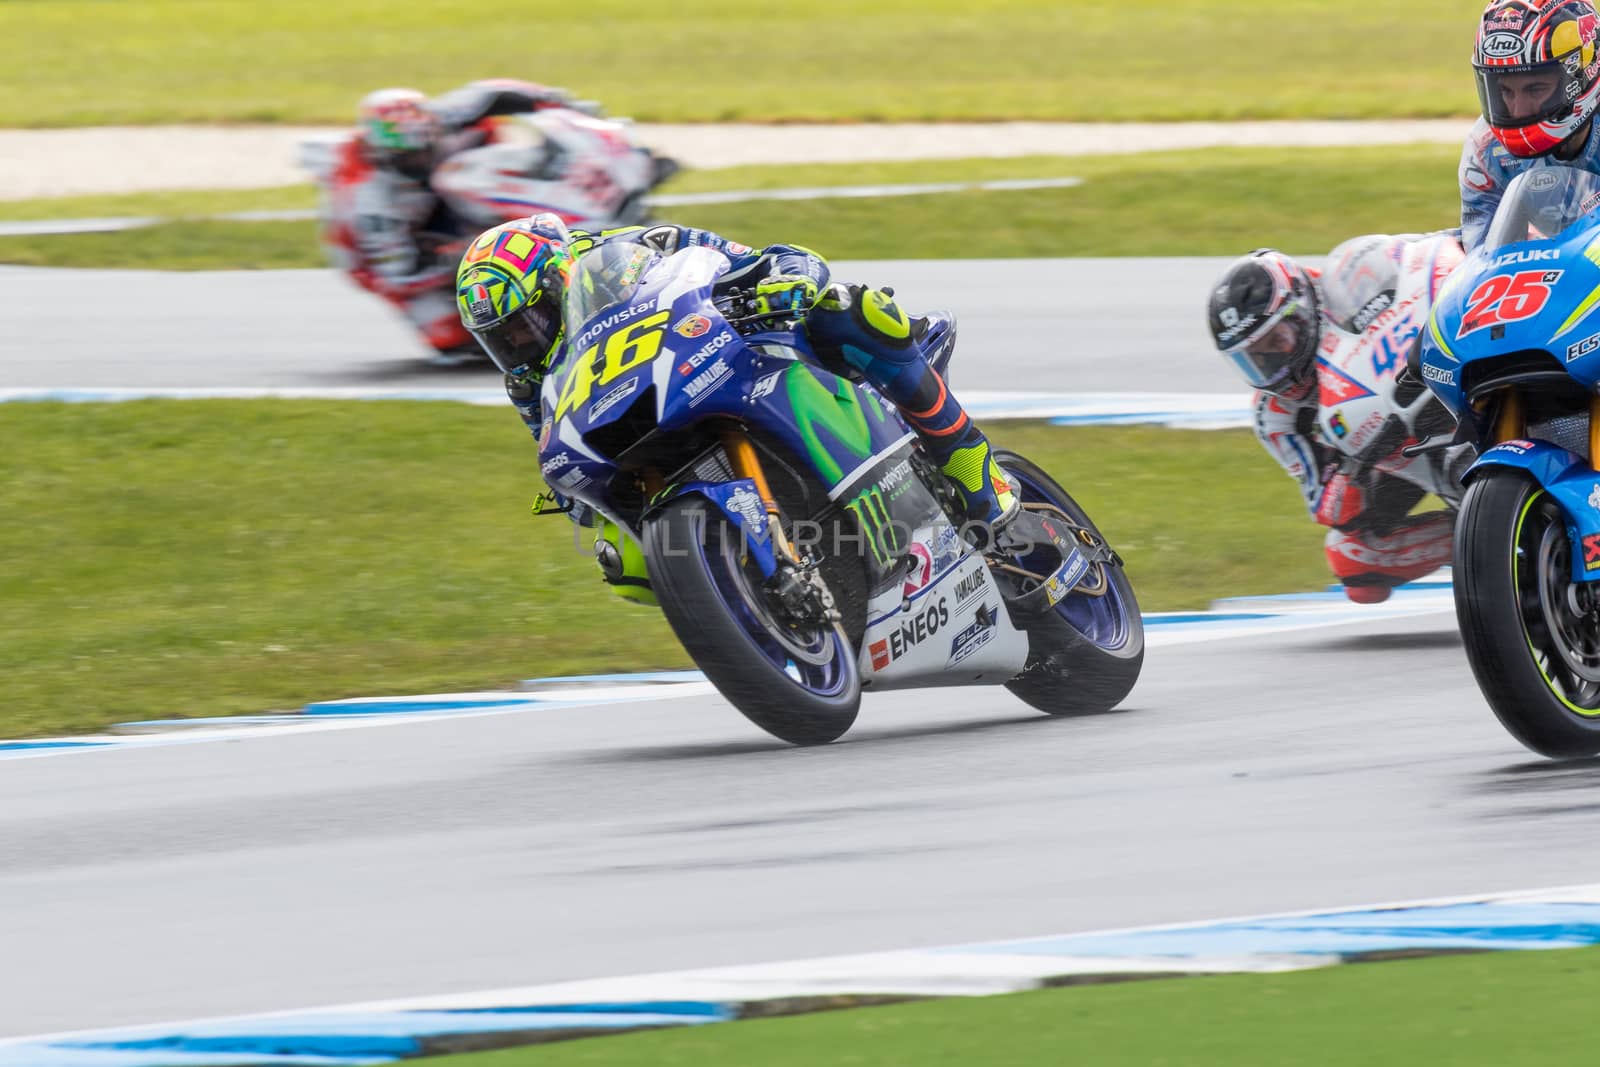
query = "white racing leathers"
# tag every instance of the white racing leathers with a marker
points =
(1341, 434)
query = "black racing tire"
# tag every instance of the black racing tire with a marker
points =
(1078, 669)
(688, 551)
(1528, 650)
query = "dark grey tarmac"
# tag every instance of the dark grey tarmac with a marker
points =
(1316, 768)
(1054, 324)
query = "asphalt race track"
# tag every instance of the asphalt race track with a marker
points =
(1096, 325)
(1316, 768)
(1310, 769)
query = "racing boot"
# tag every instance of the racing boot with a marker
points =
(986, 493)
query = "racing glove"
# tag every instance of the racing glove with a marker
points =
(794, 293)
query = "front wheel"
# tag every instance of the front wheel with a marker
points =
(1085, 656)
(796, 682)
(1532, 634)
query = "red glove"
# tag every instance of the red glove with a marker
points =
(1340, 501)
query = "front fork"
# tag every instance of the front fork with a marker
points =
(746, 463)
(798, 586)
(1510, 423)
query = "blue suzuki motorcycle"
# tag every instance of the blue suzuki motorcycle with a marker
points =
(797, 539)
(1513, 350)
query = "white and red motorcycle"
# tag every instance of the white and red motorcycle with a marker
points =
(401, 238)
(1368, 411)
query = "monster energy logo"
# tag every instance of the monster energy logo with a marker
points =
(881, 531)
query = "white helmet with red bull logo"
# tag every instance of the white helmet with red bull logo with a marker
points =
(1537, 72)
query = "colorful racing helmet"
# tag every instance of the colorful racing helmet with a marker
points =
(399, 130)
(509, 290)
(1264, 318)
(1537, 73)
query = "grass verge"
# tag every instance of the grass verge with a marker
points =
(176, 558)
(1215, 202)
(1525, 1008)
(94, 62)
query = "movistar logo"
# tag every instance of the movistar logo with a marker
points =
(619, 316)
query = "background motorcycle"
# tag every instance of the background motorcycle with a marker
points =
(1513, 349)
(582, 166)
(1369, 414)
(798, 541)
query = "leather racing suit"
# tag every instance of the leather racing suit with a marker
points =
(1487, 168)
(1373, 542)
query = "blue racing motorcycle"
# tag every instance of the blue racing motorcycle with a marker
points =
(797, 539)
(1513, 350)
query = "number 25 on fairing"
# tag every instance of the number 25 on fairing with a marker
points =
(1507, 298)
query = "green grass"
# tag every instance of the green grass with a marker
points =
(89, 62)
(1161, 204)
(1530, 1009)
(167, 204)
(170, 558)
(190, 245)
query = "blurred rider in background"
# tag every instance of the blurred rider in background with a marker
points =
(384, 221)
(513, 279)
(1538, 78)
(1272, 317)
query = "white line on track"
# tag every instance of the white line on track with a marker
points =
(1228, 620)
(46, 227)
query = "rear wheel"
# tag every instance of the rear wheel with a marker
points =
(797, 682)
(1532, 634)
(1085, 656)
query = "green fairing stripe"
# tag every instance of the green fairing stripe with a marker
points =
(839, 413)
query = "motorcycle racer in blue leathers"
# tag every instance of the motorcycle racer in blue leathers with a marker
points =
(1538, 76)
(513, 309)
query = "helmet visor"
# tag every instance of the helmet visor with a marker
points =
(1275, 351)
(1527, 94)
(521, 342)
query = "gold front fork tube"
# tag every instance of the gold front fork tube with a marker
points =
(746, 464)
(1594, 432)
(1508, 424)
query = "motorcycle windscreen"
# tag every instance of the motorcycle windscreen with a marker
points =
(604, 277)
(1543, 203)
(607, 277)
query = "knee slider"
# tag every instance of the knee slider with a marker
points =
(876, 312)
